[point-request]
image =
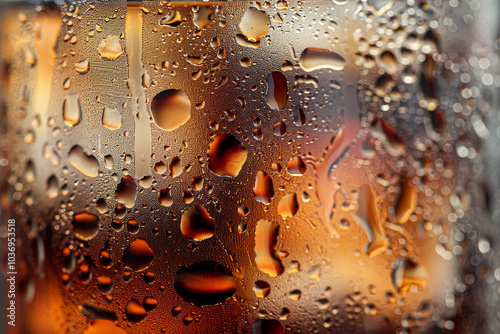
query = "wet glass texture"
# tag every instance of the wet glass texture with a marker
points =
(313, 166)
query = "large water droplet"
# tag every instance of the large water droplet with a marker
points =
(134, 311)
(111, 118)
(263, 188)
(196, 223)
(110, 48)
(126, 191)
(72, 111)
(85, 225)
(138, 256)
(276, 95)
(175, 167)
(86, 164)
(52, 187)
(314, 59)
(171, 109)
(406, 201)
(173, 19)
(266, 235)
(202, 17)
(369, 218)
(226, 155)
(406, 273)
(82, 66)
(255, 24)
(288, 205)
(261, 289)
(205, 283)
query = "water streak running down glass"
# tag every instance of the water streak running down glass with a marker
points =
(314, 166)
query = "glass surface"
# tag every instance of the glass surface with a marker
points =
(315, 166)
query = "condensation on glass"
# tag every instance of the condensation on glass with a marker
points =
(248, 167)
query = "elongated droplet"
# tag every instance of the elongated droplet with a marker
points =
(72, 111)
(276, 95)
(266, 235)
(315, 59)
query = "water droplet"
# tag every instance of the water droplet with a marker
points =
(108, 161)
(296, 166)
(175, 167)
(111, 118)
(314, 59)
(126, 191)
(30, 172)
(276, 94)
(85, 164)
(165, 198)
(267, 326)
(255, 24)
(226, 155)
(52, 187)
(149, 303)
(138, 256)
(279, 129)
(101, 326)
(29, 56)
(299, 118)
(288, 205)
(393, 142)
(196, 223)
(105, 259)
(134, 311)
(205, 283)
(369, 218)
(379, 7)
(160, 167)
(266, 235)
(85, 225)
(406, 273)
(72, 111)
(105, 283)
(389, 62)
(171, 109)
(202, 17)
(110, 48)
(173, 19)
(263, 188)
(67, 83)
(83, 66)
(261, 289)
(406, 202)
